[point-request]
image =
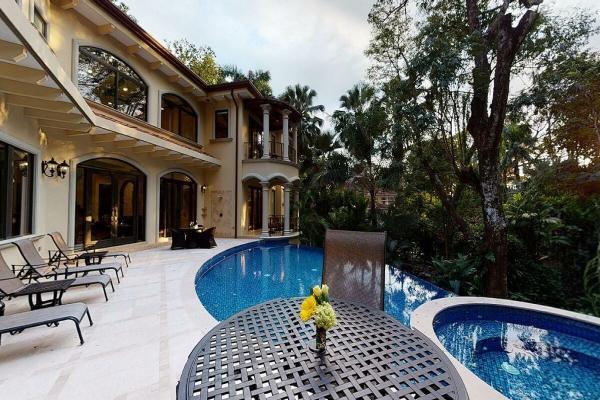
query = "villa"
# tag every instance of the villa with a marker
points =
(107, 137)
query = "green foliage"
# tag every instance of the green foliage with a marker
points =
(125, 8)
(455, 272)
(591, 283)
(200, 59)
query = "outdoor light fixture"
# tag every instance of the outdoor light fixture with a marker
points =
(52, 168)
(203, 188)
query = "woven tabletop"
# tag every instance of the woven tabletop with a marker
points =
(262, 352)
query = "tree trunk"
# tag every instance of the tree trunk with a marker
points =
(495, 229)
(372, 207)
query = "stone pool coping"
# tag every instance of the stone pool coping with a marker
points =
(423, 317)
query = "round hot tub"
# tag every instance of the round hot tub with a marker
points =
(520, 350)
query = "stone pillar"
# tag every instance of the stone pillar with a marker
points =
(297, 206)
(286, 208)
(265, 209)
(266, 134)
(286, 134)
(296, 130)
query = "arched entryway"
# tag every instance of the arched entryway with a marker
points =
(110, 203)
(178, 194)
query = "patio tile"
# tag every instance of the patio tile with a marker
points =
(139, 342)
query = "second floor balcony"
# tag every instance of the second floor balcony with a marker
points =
(255, 151)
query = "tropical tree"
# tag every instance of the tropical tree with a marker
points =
(362, 125)
(260, 78)
(200, 59)
(302, 98)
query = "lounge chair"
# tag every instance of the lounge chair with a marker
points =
(16, 323)
(12, 286)
(354, 266)
(69, 255)
(34, 259)
(38, 268)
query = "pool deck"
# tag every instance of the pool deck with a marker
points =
(137, 346)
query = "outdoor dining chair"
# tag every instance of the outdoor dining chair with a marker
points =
(354, 266)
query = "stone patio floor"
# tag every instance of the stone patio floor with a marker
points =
(137, 346)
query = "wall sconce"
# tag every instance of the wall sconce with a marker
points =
(51, 168)
(203, 189)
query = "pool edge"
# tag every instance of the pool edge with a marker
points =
(422, 321)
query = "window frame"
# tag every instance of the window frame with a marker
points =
(194, 113)
(221, 110)
(118, 75)
(6, 185)
(37, 13)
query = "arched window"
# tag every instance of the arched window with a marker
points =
(178, 116)
(106, 79)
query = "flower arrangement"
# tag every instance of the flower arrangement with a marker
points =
(317, 306)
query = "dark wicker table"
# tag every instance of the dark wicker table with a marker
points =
(262, 352)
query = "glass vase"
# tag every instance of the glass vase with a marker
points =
(321, 340)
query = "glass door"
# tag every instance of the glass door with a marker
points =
(110, 203)
(100, 207)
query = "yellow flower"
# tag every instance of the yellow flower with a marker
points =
(308, 307)
(325, 290)
(317, 291)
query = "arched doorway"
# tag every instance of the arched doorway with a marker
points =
(109, 208)
(177, 202)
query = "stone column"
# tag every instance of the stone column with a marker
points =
(265, 209)
(286, 208)
(297, 206)
(266, 134)
(296, 131)
(286, 134)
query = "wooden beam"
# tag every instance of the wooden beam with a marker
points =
(105, 29)
(174, 78)
(28, 89)
(10, 51)
(133, 49)
(155, 65)
(40, 104)
(20, 73)
(66, 4)
(53, 116)
(65, 125)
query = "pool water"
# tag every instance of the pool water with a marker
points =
(242, 277)
(524, 354)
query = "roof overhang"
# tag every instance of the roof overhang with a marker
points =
(32, 78)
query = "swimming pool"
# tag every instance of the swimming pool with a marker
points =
(250, 274)
(524, 354)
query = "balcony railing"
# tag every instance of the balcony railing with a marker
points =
(254, 151)
(276, 224)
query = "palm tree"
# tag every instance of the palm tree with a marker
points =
(302, 99)
(362, 127)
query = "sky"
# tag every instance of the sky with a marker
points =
(319, 43)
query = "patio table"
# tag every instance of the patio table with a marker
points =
(263, 352)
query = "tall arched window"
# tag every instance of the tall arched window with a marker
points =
(106, 79)
(178, 116)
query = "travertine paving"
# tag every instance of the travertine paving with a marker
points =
(137, 346)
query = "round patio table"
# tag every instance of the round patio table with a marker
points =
(263, 352)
